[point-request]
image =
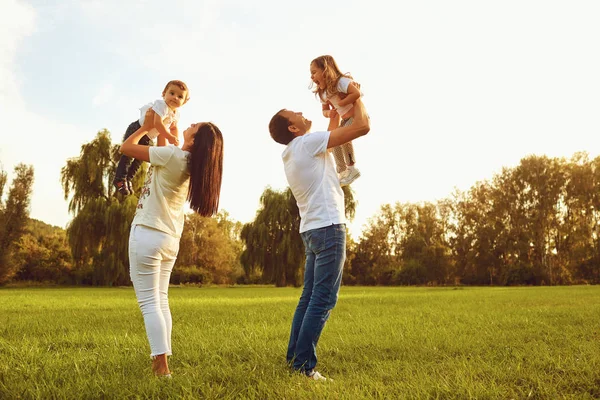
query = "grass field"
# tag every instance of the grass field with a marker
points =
(416, 343)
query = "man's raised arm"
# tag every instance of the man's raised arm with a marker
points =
(359, 127)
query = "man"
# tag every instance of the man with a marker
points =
(311, 174)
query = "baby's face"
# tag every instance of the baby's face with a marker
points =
(174, 96)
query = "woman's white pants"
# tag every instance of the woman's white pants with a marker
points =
(152, 254)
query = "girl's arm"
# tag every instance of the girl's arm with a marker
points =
(131, 148)
(329, 111)
(351, 97)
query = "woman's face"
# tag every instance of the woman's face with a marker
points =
(189, 133)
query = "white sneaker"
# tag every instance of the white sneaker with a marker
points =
(352, 174)
(315, 375)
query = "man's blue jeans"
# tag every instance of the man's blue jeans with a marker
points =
(325, 256)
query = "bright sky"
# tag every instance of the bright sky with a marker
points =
(455, 89)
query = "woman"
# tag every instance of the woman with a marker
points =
(191, 173)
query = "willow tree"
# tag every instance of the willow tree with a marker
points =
(99, 232)
(272, 241)
(273, 244)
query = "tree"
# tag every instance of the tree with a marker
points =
(43, 254)
(3, 178)
(424, 243)
(404, 244)
(273, 249)
(98, 234)
(577, 241)
(377, 250)
(209, 250)
(475, 234)
(543, 181)
(14, 216)
(272, 242)
(350, 203)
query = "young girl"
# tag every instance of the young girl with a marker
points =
(174, 95)
(337, 93)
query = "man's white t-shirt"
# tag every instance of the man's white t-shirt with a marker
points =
(167, 115)
(310, 171)
(165, 191)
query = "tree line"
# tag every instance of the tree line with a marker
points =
(533, 224)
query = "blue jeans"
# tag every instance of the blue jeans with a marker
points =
(325, 255)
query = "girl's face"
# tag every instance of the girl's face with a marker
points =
(316, 74)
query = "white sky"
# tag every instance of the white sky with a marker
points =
(455, 89)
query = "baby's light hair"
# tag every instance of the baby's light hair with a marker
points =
(181, 85)
(331, 73)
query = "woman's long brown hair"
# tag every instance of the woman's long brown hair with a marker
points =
(206, 170)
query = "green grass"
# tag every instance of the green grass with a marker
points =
(497, 343)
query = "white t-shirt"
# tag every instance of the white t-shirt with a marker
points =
(161, 108)
(342, 87)
(165, 191)
(310, 172)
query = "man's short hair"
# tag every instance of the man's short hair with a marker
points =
(279, 129)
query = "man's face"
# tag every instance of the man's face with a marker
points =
(301, 124)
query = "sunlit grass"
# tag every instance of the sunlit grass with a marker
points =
(379, 343)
